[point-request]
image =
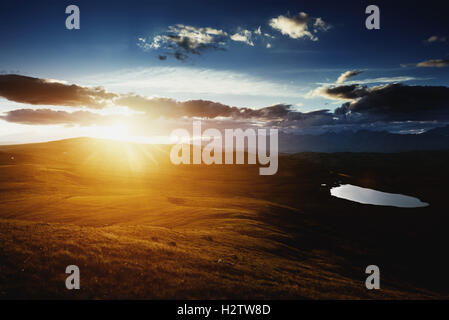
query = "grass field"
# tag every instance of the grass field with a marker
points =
(139, 227)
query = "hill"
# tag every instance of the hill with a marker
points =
(139, 227)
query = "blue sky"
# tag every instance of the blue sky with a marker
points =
(107, 52)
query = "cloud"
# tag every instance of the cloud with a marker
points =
(399, 102)
(295, 27)
(363, 105)
(171, 108)
(37, 91)
(436, 63)
(436, 39)
(377, 80)
(231, 87)
(389, 103)
(244, 36)
(343, 92)
(348, 74)
(250, 37)
(176, 114)
(182, 40)
(52, 117)
(52, 92)
(282, 116)
(320, 25)
(389, 107)
(386, 80)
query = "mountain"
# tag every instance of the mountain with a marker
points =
(365, 141)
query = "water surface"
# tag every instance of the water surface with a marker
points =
(379, 198)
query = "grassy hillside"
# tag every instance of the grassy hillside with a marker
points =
(140, 227)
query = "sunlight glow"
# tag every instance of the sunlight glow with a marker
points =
(113, 132)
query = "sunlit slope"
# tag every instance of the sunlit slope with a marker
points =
(139, 227)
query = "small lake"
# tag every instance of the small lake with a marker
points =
(379, 198)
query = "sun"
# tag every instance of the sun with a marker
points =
(117, 131)
(122, 152)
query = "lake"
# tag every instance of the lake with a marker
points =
(379, 198)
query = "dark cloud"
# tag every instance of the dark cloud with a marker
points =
(400, 102)
(37, 91)
(364, 106)
(394, 107)
(47, 92)
(272, 112)
(180, 56)
(296, 120)
(186, 44)
(207, 109)
(179, 114)
(343, 92)
(170, 108)
(282, 116)
(48, 117)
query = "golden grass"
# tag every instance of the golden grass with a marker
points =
(139, 227)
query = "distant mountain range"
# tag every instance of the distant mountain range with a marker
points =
(365, 141)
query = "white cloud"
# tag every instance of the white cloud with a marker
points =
(387, 80)
(348, 74)
(435, 63)
(243, 36)
(295, 27)
(154, 44)
(193, 83)
(378, 80)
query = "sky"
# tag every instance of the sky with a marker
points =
(143, 68)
